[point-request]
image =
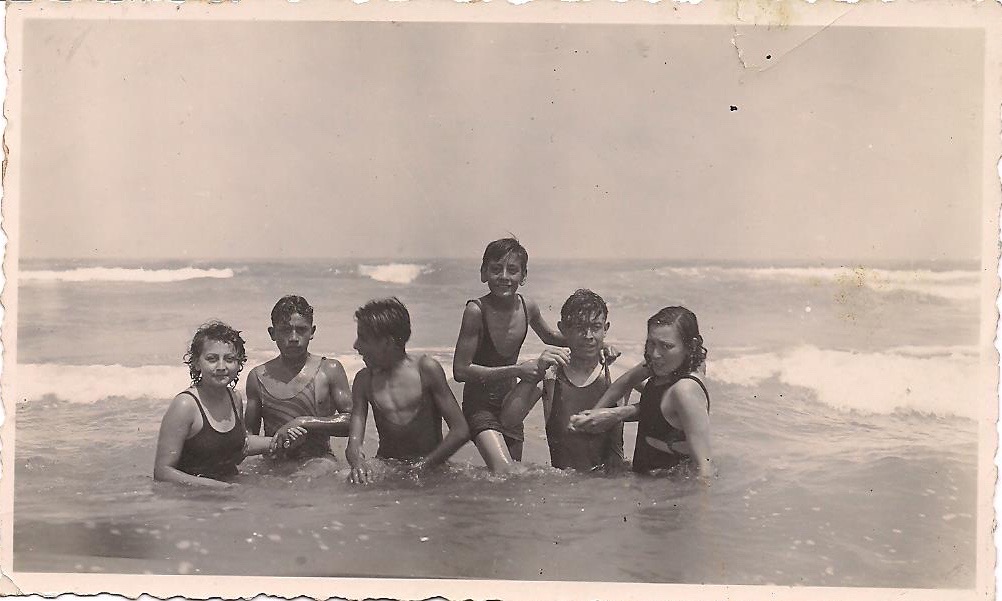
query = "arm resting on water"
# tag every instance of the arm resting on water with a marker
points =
(448, 407)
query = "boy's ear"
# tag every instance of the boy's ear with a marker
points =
(313, 331)
(271, 332)
(561, 327)
(607, 325)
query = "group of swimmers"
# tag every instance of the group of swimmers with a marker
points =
(301, 399)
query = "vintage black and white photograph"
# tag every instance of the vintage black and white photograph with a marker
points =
(641, 300)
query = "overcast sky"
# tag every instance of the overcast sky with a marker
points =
(246, 140)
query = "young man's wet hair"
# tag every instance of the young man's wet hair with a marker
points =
(290, 305)
(385, 317)
(581, 307)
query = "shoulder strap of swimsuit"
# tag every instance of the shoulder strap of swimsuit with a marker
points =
(525, 313)
(558, 374)
(701, 385)
(198, 403)
(236, 414)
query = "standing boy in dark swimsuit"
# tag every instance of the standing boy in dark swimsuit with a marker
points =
(298, 389)
(571, 388)
(409, 395)
(490, 338)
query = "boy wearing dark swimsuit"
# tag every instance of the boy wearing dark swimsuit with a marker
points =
(298, 389)
(409, 396)
(571, 387)
(486, 359)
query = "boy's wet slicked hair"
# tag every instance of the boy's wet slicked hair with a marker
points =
(386, 317)
(215, 331)
(500, 249)
(289, 305)
(579, 308)
(685, 322)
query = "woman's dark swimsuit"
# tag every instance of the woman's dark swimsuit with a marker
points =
(415, 439)
(578, 450)
(652, 423)
(482, 399)
(211, 453)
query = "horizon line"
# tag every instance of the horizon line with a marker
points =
(842, 261)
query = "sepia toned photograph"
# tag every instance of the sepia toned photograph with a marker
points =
(444, 299)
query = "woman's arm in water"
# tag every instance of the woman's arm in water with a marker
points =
(463, 368)
(359, 413)
(689, 403)
(175, 427)
(448, 407)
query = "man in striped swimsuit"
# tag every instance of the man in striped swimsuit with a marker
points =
(298, 389)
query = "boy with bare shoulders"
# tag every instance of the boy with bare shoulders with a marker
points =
(297, 389)
(486, 359)
(409, 395)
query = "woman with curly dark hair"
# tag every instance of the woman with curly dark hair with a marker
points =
(202, 435)
(674, 408)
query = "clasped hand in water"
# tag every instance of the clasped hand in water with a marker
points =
(287, 438)
(591, 421)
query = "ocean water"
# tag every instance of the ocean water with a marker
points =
(843, 426)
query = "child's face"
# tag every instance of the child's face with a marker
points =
(374, 349)
(665, 351)
(218, 363)
(293, 337)
(504, 276)
(586, 337)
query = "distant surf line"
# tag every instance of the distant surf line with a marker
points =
(124, 274)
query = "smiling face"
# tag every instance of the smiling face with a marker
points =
(293, 337)
(665, 351)
(218, 364)
(585, 337)
(503, 276)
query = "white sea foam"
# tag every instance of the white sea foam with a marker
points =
(394, 273)
(929, 380)
(938, 381)
(87, 384)
(122, 274)
(946, 284)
